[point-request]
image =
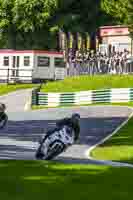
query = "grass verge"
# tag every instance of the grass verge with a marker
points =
(84, 83)
(119, 147)
(24, 180)
(4, 89)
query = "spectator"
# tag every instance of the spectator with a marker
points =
(97, 63)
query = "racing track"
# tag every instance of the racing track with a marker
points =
(19, 139)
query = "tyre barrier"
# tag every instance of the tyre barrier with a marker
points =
(116, 95)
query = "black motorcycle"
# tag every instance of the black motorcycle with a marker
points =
(3, 120)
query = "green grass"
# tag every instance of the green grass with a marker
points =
(4, 89)
(83, 83)
(25, 180)
(130, 104)
(119, 147)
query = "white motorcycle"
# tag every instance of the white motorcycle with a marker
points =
(55, 143)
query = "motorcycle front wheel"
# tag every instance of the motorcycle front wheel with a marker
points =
(39, 155)
(55, 149)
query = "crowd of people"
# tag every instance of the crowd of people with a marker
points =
(100, 63)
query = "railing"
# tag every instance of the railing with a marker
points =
(13, 75)
(83, 98)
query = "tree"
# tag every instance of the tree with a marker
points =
(117, 9)
(7, 26)
(35, 23)
(30, 15)
(76, 16)
(121, 10)
(25, 16)
(32, 20)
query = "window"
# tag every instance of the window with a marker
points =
(26, 60)
(6, 61)
(43, 61)
(59, 62)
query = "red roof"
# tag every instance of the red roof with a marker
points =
(115, 26)
(29, 51)
(114, 31)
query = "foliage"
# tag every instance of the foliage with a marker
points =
(117, 9)
(32, 15)
(121, 10)
(35, 23)
(21, 19)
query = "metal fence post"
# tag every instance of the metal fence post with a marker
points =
(7, 81)
(35, 97)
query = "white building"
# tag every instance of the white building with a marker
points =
(118, 37)
(31, 65)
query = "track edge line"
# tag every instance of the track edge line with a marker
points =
(108, 162)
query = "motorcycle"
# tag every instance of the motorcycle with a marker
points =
(3, 116)
(3, 120)
(55, 143)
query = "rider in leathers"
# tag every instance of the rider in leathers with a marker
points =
(73, 123)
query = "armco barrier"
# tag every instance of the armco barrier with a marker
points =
(81, 98)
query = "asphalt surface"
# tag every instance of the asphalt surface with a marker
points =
(15, 101)
(19, 139)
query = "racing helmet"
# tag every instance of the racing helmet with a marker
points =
(2, 107)
(75, 117)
